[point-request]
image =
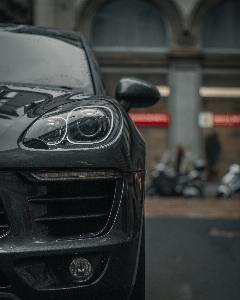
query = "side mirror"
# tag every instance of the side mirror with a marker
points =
(134, 92)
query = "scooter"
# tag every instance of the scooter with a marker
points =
(162, 183)
(230, 182)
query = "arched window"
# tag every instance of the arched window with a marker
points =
(124, 24)
(221, 31)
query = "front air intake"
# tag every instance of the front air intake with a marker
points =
(4, 282)
(4, 224)
(76, 208)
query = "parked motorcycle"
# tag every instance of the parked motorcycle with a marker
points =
(163, 183)
(230, 182)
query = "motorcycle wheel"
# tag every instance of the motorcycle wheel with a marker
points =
(223, 192)
(150, 190)
(192, 192)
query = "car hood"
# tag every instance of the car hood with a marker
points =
(20, 106)
(16, 101)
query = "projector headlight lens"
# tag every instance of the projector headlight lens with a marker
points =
(89, 124)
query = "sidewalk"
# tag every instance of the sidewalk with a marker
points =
(208, 207)
(205, 208)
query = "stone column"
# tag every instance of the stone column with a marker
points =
(44, 13)
(184, 106)
(55, 13)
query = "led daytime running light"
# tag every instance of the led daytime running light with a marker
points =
(71, 175)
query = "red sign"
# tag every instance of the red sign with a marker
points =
(226, 120)
(208, 119)
(150, 118)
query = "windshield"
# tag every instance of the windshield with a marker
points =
(45, 61)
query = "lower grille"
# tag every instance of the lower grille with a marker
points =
(7, 296)
(76, 208)
(4, 282)
(4, 225)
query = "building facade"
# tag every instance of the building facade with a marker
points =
(190, 49)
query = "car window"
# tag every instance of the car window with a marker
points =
(42, 60)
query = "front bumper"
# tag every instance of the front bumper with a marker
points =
(35, 257)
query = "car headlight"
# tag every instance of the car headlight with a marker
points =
(88, 124)
(75, 126)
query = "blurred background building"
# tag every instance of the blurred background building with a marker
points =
(189, 49)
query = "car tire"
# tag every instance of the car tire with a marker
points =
(139, 286)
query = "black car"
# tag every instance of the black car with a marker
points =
(72, 170)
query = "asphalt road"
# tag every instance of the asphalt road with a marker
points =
(192, 249)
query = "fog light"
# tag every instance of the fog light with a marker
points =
(80, 269)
